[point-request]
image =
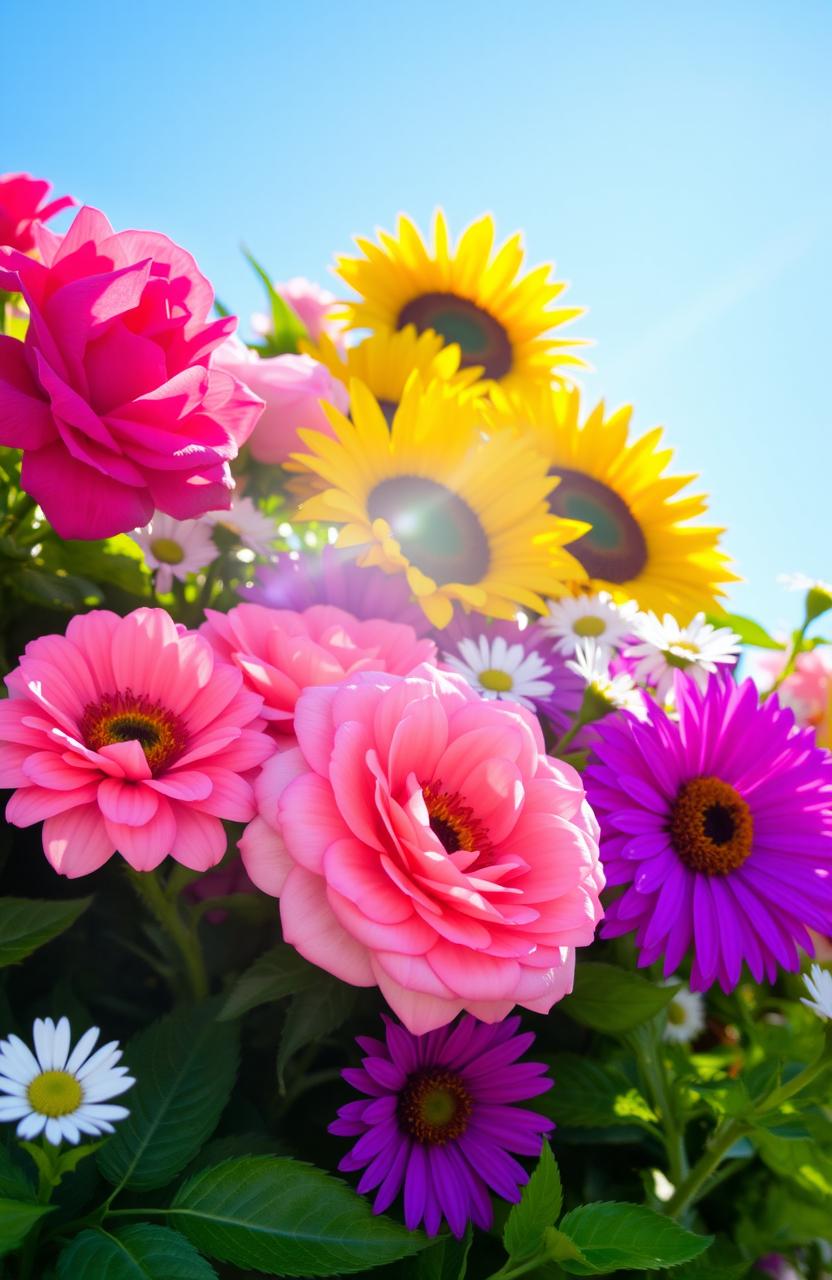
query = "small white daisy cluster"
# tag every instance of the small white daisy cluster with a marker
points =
(818, 982)
(663, 647)
(618, 691)
(499, 670)
(176, 548)
(573, 620)
(685, 1017)
(59, 1093)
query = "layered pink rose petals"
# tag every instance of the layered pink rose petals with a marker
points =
(111, 395)
(130, 735)
(281, 653)
(420, 839)
(22, 204)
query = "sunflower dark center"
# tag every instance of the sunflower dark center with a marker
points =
(434, 1106)
(480, 337)
(436, 530)
(128, 717)
(614, 548)
(711, 826)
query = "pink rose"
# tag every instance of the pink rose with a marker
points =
(292, 387)
(111, 396)
(420, 839)
(21, 206)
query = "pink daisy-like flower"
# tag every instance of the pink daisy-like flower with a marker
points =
(110, 395)
(22, 205)
(129, 734)
(281, 653)
(420, 839)
(296, 581)
(439, 1121)
(718, 824)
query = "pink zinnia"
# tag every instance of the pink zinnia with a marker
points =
(281, 653)
(421, 840)
(110, 395)
(21, 206)
(129, 734)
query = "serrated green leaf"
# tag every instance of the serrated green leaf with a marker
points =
(614, 1237)
(723, 1261)
(140, 1252)
(539, 1208)
(27, 923)
(17, 1218)
(313, 1014)
(279, 973)
(278, 1216)
(614, 1000)
(185, 1067)
(589, 1094)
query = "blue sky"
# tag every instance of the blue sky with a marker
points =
(673, 160)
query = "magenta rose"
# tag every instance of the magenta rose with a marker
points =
(22, 205)
(420, 839)
(110, 396)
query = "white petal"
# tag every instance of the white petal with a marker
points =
(32, 1125)
(26, 1064)
(44, 1036)
(107, 1056)
(82, 1050)
(103, 1111)
(14, 1108)
(70, 1130)
(60, 1047)
(108, 1087)
(89, 1127)
(13, 1088)
(54, 1131)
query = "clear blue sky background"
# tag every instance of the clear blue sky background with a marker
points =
(673, 158)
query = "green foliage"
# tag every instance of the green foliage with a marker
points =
(185, 1067)
(140, 1252)
(614, 1000)
(613, 1236)
(15, 1183)
(276, 1215)
(28, 923)
(17, 1217)
(313, 1014)
(288, 330)
(446, 1259)
(278, 973)
(800, 1160)
(592, 1094)
(538, 1209)
(749, 631)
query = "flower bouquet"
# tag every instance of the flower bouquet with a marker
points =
(450, 862)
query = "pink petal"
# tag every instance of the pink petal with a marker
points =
(200, 839)
(310, 925)
(418, 1012)
(145, 847)
(33, 804)
(126, 802)
(309, 819)
(264, 857)
(77, 842)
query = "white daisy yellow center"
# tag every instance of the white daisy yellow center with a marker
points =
(167, 551)
(496, 681)
(589, 625)
(55, 1093)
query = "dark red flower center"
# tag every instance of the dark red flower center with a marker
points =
(711, 826)
(480, 337)
(434, 1106)
(614, 548)
(129, 717)
(435, 528)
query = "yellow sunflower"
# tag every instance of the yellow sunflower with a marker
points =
(470, 295)
(641, 544)
(463, 517)
(385, 361)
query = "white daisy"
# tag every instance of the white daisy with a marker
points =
(499, 670)
(685, 1017)
(175, 548)
(57, 1092)
(577, 618)
(818, 983)
(617, 691)
(664, 647)
(245, 519)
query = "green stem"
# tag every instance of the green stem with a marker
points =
(690, 1190)
(775, 1100)
(166, 911)
(791, 661)
(46, 1185)
(647, 1047)
(522, 1268)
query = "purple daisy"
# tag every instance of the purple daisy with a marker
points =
(439, 1121)
(298, 581)
(719, 826)
(505, 663)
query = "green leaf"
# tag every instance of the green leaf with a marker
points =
(281, 1217)
(723, 1261)
(613, 1237)
(57, 590)
(185, 1067)
(288, 330)
(27, 923)
(16, 1221)
(447, 1259)
(538, 1209)
(140, 1252)
(589, 1094)
(279, 973)
(610, 999)
(818, 602)
(749, 631)
(800, 1160)
(312, 1015)
(14, 1182)
(118, 560)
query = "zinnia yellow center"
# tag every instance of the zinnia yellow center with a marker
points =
(55, 1093)
(589, 626)
(129, 717)
(434, 1107)
(711, 826)
(496, 681)
(454, 823)
(166, 551)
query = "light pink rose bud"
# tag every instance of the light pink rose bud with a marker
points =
(292, 387)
